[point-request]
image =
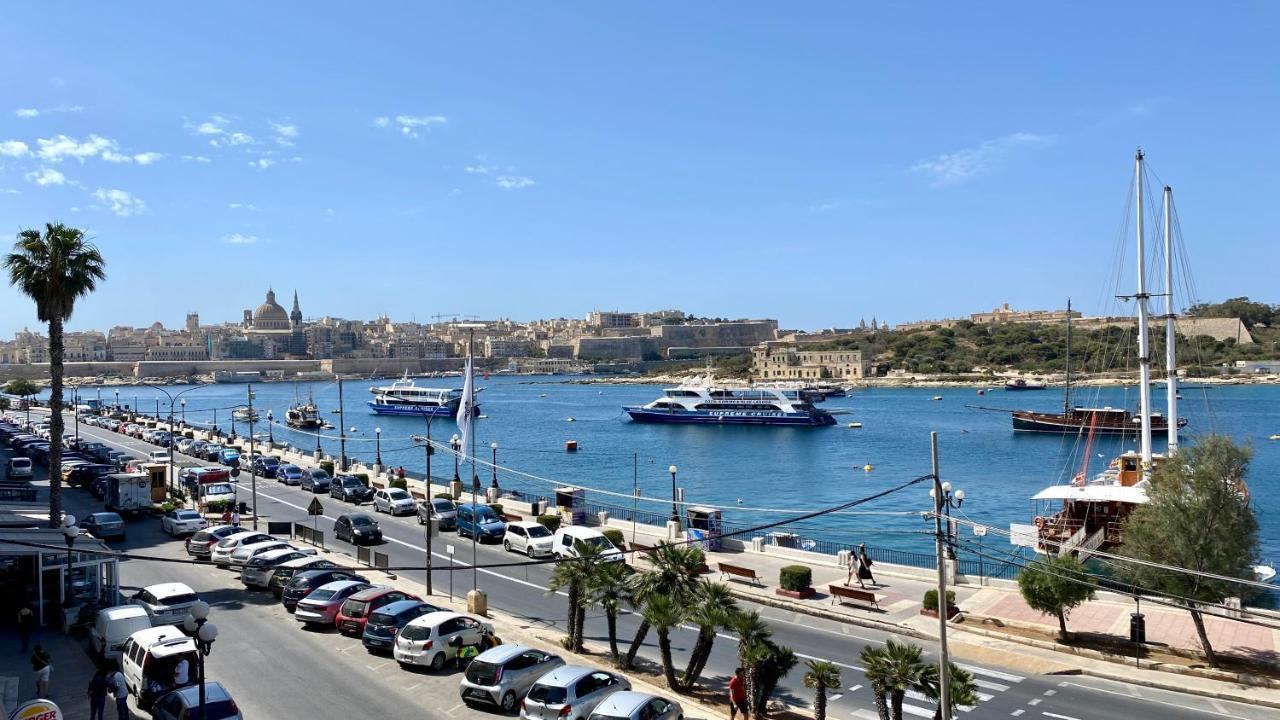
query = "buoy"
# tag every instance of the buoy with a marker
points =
(482, 416)
(855, 424)
(937, 397)
(571, 446)
(570, 419)
(1276, 436)
(866, 468)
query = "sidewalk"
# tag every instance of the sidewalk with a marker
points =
(72, 670)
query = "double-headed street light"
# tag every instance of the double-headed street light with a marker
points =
(455, 442)
(183, 402)
(204, 633)
(675, 512)
(494, 447)
(69, 534)
(377, 434)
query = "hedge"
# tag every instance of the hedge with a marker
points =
(497, 508)
(363, 477)
(795, 577)
(615, 536)
(217, 506)
(327, 466)
(931, 599)
(550, 522)
(399, 483)
(444, 496)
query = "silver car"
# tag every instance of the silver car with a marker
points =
(503, 675)
(570, 693)
(394, 501)
(185, 703)
(628, 705)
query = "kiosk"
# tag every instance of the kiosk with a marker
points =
(707, 521)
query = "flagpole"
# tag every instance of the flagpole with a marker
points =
(475, 479)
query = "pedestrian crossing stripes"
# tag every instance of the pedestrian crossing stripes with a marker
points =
(917, 704)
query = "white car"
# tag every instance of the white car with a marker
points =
(18, 467)
(259, 569)
(531, 538)
(394, 501)
(221, 554)
(183, 522)
(629, 705)
(425, 640)
(158, 456)
(166, 603)
(571, 691)
(249, 551)
(567, 539)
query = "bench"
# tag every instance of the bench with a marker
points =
(418, 496)
(840, 593)
(737, 572)
(508, 517)
(648, 550)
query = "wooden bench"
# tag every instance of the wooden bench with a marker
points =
(840, 593)
(418, 496)
(737, 572)
(508, 517)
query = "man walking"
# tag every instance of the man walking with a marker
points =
(120, 691)
(98, 694)
(26, 625)
(737, 695)
(41, 669)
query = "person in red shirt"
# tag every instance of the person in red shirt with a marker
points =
(737, 695)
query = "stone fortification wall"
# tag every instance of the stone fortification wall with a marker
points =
(736, 334)
(172, 368)
(627, 348)
(40, 371)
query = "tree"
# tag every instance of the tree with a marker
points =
(713, 609)
(21, 387)
(1197, 516)
(573, 576)
(821, 676)
(1055, 587)
(609, 591)
(764, 662)
(55, 269)
(663, 612)
(674, 572)
(894, 670)
(962, 689)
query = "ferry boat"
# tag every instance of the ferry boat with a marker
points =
(303, 416)
(403, 397)
(238, 376)
(709, 405)
(244, 414)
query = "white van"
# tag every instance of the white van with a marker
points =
(566, 538)
(113, 626)
(149, 658)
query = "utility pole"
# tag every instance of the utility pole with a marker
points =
(944, 661)
(342, 432)
(253, 464)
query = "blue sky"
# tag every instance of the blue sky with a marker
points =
(818, 163)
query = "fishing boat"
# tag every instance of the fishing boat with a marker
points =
(303, 416)
(1024, 384)
(244, 414)
(403, 397)
(702, 403)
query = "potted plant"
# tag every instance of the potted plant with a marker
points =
(615, 536)
(795, 582)
(550, 522)
(929, 606)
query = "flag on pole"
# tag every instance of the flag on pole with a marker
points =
(466, 409)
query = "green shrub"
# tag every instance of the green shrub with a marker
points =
(444, 496)
(168, 506)
(497, 508)
(795, 577)
(550, 522)
(615, 536)
(363, 477)
(217, 506)
(399, 483)
(188, 434)
(326, 466)
(931, 599)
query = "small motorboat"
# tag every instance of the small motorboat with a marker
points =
(1264, 573)
(854, 425)
(937, 397)
(1275, 437)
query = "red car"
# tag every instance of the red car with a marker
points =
(356, 610)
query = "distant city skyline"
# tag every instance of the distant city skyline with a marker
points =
(816, 167)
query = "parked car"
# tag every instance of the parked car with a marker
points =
(229, 457)
(266, 465)
(355, 611)
(202, 543)
(394, 501)
(383, 624)
(150, 656)
(303, 583)
(99, 488)
(503, 675)
(289, 474)
(350, 489)
(320, 606)
(571, 691)
(316, 480)
(442, 510)
(630, 705)
(284, 572)
(18, 468)
(103, 525)
(166, 603)
(184, 445)
(425, 640)
(196, 449)
(184, 703)
(221, 554)
(182, 522)
(243, 554)
(531, 538)
(567, 539)
(112, 627)
(86, 473)
(213, 452)
(158, 456)
(481, 522)
(258, 570)
(357, 529)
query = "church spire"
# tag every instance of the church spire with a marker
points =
(295, 317)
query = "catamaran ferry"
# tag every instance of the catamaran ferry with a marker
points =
(708, 405)
(403, 397)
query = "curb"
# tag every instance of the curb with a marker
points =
(872, 623)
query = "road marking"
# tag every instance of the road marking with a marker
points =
(1058, 717)
(835, 697)
(855, 688)
(1017, 712)
(987, 684)
(917, 711)
(833, 662)
(1050, 693)
(992, 673)
(921, 697)
(1033, 702)
(1152, 700)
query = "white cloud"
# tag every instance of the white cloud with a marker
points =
(826, 206)
(46, 176)
(59, 147)
(114, 157)
(239, 239)
(478, 169)
(239, 138)
(382, 121)
(242, 206)
(969, 163)
(208, 128)
(9, 191)
(147, 158)
(514, 182)
(215, 125)
(57, 82)
(195, 158)
(26, 112)
(329, 212)
(36, 112)
(120, 202)
(14, 148)
(285, 134)
(409, 125)
(262, 163)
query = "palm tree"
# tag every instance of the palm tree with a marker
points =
(663, 612)
(962, 689)
(609, 591)
(712, 610)
(895, 669)
(572, 576)
(55, 269)
(820, 676)
(674, 572)
(874, 669)
(764, 662)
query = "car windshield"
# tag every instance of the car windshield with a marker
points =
(188, 515)
(600, 542)
(538, 531)
(319, 474)
(218, 489)
(397, 494)
(352, 482)
(443, 505)
(360, 521)
(321, 595)
(381, 619)
(547, 694)
(416, 632)
(178, 599)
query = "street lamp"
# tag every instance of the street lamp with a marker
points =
(204, 633)
(69, 533)
(950, 500)
(117, 407)
(494, 447)
(377, 433)
(455, 442)
(675, 513)
(271, 436)
(183, 402)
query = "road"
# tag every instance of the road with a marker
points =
(274, 642)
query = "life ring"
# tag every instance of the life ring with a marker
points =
(1039, 523)
(1078, 480)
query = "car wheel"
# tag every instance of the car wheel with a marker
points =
(437, 662)
(509, 702)
(529, 551)
(506, 545)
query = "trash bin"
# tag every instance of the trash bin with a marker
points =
(243, 507)
(1137, 628)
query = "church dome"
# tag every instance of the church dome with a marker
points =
(269, 315)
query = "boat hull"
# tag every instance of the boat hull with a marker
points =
(413, 410)
(1059, 424)
(729, 417)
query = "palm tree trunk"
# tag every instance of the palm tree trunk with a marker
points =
(55, 421)
(1198, 620)
(572, 628)
(611, 620)
(895, 704)
(691, 670)
(753, 692)
(668, 667)
(1062, 626)
(882, 707)
(580, 625)
(641, 633)
(820, 703)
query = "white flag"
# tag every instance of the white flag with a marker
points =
(466, 409)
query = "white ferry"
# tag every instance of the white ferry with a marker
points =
(710, 405)
(403, 397)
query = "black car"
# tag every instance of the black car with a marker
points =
(315, 481)
(383, 624)
(304, 582)
(86, 474)
(266, 465)
(357, 529)
(99, 488)
(351, 489)
(284, 574)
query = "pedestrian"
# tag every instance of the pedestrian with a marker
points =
(400, 472)
(226, 516)
(26, 626)
(737, 695)
(235, 519)
(98, 694)
(864, 567)
(120, 690)
(41, 669)
(182, 673)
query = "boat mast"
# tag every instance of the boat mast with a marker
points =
(1066, 392)
(1170, 330)
(1144, 342)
